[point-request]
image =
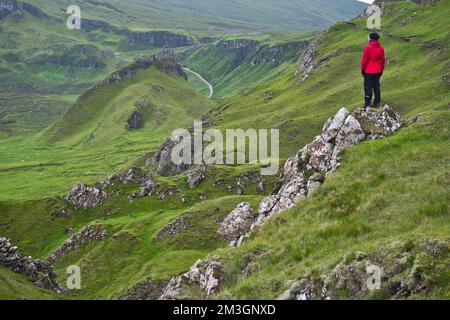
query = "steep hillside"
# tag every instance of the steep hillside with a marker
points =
(149, 98)
(236, 63)
(385, 203)
(44, 66)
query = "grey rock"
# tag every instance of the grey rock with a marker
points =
(196, 176)
(237, 223)
(39, 272)
(85, 197)
(136, 121)
(205, 275)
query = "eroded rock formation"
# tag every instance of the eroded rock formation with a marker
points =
(39, 272)
(205, 275)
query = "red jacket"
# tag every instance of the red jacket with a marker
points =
(373, 59)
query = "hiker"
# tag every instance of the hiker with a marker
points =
(372, 68)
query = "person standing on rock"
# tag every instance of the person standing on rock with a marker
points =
(372, 68)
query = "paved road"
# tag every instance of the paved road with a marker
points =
(211, 89)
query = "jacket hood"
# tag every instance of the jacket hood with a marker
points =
(375, 43)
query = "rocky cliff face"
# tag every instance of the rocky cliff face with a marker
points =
(158, 39)
(38, 272)
(279, 53)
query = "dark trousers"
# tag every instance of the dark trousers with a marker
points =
(372, 86)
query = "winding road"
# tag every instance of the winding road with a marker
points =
(211, 88)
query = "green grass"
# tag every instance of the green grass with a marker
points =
(386, 191)
(395, 189)
(232, 71)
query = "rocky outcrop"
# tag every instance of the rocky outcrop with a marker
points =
(88, 234)
(309, 59)
(173, 228)
(40, 273)
(163, 157)
(158, 39)
(237, 224)
(147, 290)
(148, 187)
(277, 54)
(398, 271)
(136, 121)
(196, 176)
(203, 275)
(82, 196)
(166, 60)
(306, 171)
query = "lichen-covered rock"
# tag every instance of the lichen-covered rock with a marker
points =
(39, 272)
(87, 235)
(237, 223)
(350, 134)
(196, 176)
(85, 197)
(205, 276)
(334, 125)
(378, 124)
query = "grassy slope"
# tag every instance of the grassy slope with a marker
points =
(91, 140)
(300, 110)
(403, 196)
(231, 71)
(386, 191)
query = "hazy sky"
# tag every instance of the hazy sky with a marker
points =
(367, 1)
